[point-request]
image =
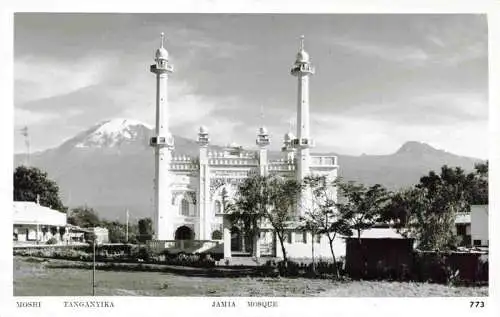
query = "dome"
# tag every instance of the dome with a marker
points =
(302, 57)
(262, 130)
(161, 53)
(289, 136)
(203, 129)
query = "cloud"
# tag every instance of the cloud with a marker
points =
(422, 107)
(24, 117)
(39, 78)
(356, 135)
(386, 52)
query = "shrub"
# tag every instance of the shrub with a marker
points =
(194, 260)
(51, 241)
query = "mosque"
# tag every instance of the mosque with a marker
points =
(189, 192)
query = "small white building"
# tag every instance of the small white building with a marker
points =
(34, 223)
(101, 234)
(479, 225)
(472, 227)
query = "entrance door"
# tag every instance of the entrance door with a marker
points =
(184, 233)
(235, 239)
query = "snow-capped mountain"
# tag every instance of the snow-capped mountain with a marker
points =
(111, 134)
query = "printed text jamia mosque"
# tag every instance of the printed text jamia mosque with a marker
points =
(189, 192)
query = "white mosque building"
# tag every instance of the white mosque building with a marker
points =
(189, 191)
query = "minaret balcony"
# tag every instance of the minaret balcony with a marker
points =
(302, 68)
(303, 143)
(162, 68)
(203, 140)
(161, 141)
(263, 141)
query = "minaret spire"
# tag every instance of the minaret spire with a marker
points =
(302, 69)
(163, 144)
(162, 37)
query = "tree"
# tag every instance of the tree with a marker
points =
(145, 228)
(265, 200)
(427, 211)
(479, 192)
(363, 206)
(30, 184)
(321, 216)
(84, 217)
(283, 194)
(249, 206)
(116, 231)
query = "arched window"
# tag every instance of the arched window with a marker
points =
(216, 235)
(218, 207)
(185, 207)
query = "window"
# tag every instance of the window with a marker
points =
(185, 207)
(461, 230)
(289, 237)
(218, 207)
(300, 236)
(318, 238)
(477, 243)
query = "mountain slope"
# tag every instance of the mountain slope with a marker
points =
(110, 166)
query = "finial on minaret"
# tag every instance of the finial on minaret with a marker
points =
(162, 36)
(302, 55)
(263, 135)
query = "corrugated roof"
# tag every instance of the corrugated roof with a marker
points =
(375, 233)
(31, 213)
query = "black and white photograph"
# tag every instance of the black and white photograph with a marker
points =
(250, 155)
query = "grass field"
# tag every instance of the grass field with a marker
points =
(36, 279)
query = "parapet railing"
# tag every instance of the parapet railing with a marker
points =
(183, 163)
(323, 160)
(281, 165)
(243, 161)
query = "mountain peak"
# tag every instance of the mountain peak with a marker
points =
(414, 147)
(112, 133)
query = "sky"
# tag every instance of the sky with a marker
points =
(381, 80)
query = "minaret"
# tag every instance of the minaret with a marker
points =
(302, 69)
(204, 185)
(287, 148)
(263, 141)
(163, 144)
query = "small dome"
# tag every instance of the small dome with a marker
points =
(302, 57)
(262, 130)
(289, 136)
(161, 53)
(203, 129)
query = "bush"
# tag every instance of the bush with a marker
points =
(194, 260)
(51, 241)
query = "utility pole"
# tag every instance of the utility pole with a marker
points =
(25, 133)
(93, 266)
(126, 232)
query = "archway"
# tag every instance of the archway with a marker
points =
(235, 239)
(184, 233)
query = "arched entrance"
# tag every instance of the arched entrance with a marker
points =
(235, 239)
(184, 233)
